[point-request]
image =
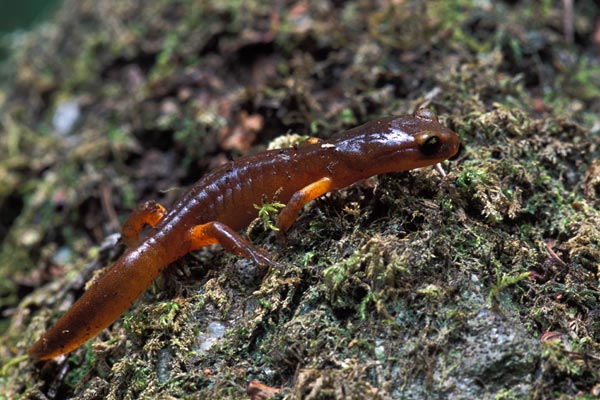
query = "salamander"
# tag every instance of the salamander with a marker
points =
(222, 202)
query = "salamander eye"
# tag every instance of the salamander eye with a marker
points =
(426, 114)
(431, 146)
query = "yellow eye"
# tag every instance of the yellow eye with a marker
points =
(431, 146)
(426, 114)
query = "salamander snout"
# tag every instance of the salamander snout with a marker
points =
(439, 144)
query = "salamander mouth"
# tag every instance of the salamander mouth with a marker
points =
(455, 151)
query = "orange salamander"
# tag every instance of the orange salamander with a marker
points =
(222, 202)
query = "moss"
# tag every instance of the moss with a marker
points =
(406, 286)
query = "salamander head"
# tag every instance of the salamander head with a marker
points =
(397, 144)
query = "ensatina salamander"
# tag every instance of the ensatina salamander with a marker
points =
(222, 202)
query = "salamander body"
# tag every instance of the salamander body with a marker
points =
(222, 202)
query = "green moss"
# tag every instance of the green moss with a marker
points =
(81, 368)
(266, 213)
(409, 285)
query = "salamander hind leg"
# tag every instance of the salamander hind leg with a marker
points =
(299, 199)
(216, 232)
(148, 213)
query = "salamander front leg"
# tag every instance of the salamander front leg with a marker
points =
(147, 213)
(216, 232)
(299, 199)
